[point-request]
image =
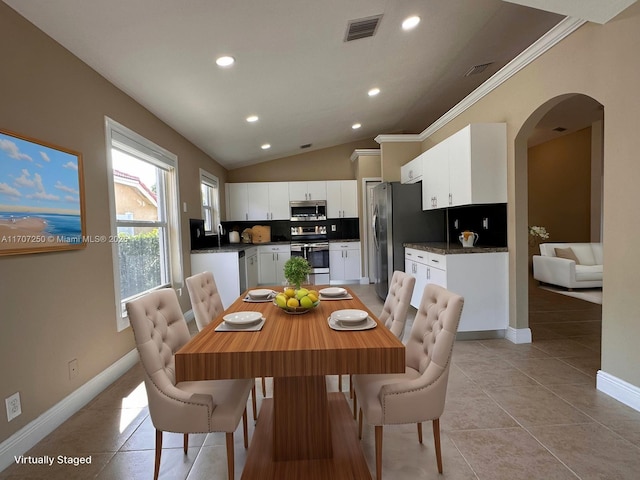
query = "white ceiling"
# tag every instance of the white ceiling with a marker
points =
(293, 68)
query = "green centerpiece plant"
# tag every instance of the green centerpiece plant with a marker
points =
(296, 270)
(298, 300)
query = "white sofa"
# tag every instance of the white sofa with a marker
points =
(585, 273)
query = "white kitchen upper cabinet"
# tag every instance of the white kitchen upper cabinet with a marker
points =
(467, 168)
(342, 199)
(412, 172)
(258, 200)
(279, 201)
(268, 200)
(314, 190)
(435, 177)
(237, 202)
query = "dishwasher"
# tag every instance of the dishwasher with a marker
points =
(242, 267)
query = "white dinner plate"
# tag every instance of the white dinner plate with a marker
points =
(333, 292)
(260, 293)
(349, 316)
(242, 318)
(368, 324)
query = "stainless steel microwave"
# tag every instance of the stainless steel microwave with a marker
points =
(308, 210)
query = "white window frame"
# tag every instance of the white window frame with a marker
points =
(128, 140)
(210, 180)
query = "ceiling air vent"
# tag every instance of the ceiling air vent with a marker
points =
(362, 28)
(559, 129)
(476, 69)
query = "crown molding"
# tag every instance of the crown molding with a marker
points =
(554, 36)
(398, 138)
(364, 152)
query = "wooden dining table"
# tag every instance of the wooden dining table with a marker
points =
(304, 431)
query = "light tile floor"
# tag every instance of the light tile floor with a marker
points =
(513, 412)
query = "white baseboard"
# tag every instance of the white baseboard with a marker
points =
(364, 281)
(518, 335)
(29, 435)
(189, 316)
(619, 389)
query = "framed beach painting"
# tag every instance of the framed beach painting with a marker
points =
(41, 196)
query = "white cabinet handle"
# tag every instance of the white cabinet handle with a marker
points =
(428, 273)
(246, 216)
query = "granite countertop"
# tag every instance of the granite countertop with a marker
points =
(452, 249)
(340, 240)
(235, 247)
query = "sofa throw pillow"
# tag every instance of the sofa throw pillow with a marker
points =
(566, 253)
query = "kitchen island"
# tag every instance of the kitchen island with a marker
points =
(479, 274)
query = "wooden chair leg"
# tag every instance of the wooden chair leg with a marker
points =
(378, 452)
(420, 432)
(245, 431)
(156, 470)
(253, 402)
(186, 442)
(360, 424)
(339, 383)
(436, 440)
(355, 405)
(350, 386)
(230, 456)
(264, 387)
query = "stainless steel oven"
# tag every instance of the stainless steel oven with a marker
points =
(310, 242)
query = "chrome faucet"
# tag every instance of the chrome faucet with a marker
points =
(219, 235)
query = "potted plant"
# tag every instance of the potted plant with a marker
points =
(296, 270)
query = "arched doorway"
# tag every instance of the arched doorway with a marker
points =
(559, 155)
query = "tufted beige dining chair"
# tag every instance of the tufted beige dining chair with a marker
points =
(418, 394)
(207, 305)
(186, 407)
(394, 310)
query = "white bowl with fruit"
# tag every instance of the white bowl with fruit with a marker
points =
(297, 301)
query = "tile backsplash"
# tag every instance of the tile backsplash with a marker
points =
(488, 221)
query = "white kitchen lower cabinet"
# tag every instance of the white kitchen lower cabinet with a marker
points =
(481, 278)
(344, 262)
(251, 264)
(271, 260)
(225, 267)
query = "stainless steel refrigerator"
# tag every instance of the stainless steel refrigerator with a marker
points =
(397, 219)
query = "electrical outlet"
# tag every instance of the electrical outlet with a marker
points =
(333, 228)
(73, 368)
(13, 406)
(485, 223)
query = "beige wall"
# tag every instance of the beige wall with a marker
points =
(60, 306)
(600, 61)
(332, 163)
(366, 166)
(395, 154)
(560, 186)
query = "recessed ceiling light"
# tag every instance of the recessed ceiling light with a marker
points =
(411, 22)
(252, 118)
(266, 146)
(373, 92)
(356, 126)
(225, 61)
